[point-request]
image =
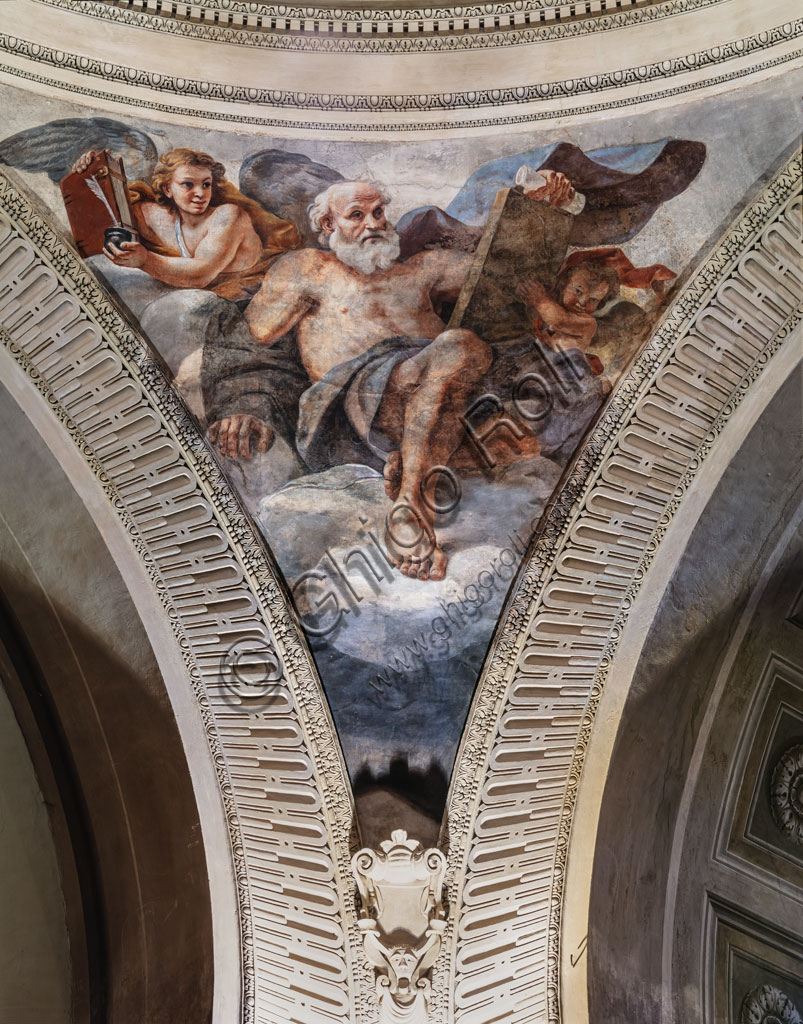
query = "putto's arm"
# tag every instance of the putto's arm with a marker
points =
(282, 300)
(213, 254)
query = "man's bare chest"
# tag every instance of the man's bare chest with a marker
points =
(373, 296)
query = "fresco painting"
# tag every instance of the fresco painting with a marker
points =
(394, 386)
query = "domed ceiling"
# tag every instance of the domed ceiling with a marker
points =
(400, 265)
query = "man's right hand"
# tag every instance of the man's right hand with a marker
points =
(233, 435)
(558, 190)
(83, 161)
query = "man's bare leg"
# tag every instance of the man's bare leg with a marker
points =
(393, 475)
(499, 445)
(422, 409)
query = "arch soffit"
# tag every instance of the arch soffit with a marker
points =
(623, 667)
(279, 773)
(515, 784)
(203, 559)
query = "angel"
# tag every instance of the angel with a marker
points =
(197, 230)
(566, 317)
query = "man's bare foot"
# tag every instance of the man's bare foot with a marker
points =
(411, 544)
(393, 475)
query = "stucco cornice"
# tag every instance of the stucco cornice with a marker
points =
(663, 52)
(373, 30)
(473, 99)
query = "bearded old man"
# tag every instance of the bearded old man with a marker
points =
(389, 383)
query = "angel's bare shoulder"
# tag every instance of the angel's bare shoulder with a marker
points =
(228, 214)
(156, 215)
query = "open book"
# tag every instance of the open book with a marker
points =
(96, 199)
(523, 238)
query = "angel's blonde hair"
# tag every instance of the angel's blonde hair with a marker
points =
(175, 158)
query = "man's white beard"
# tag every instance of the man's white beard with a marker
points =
(380, 253)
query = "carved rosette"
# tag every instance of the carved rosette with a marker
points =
(402, 923)
(786, 793)
(768, 1005)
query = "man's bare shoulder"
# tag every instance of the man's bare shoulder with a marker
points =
(302, 270)
(436, 261)
(318, 262)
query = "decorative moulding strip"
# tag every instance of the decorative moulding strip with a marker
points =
(401, 103)
(254, 15)
(515, 782)
(282, 780)
(384, 30)
(219, 118)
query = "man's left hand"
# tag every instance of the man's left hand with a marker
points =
(233, 435)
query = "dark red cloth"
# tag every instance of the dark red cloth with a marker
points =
(630, 276)
(595, 363)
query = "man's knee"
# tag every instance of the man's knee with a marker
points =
(461, 351)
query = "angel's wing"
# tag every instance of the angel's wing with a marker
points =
(285, 184)
(55, 146)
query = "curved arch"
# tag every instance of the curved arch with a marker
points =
(624, 665)
(132, 574)
(204, 584)
(705, 674)
(515, 784)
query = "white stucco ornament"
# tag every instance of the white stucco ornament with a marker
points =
(768, 1005)
(401, 923)
(786, 793)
